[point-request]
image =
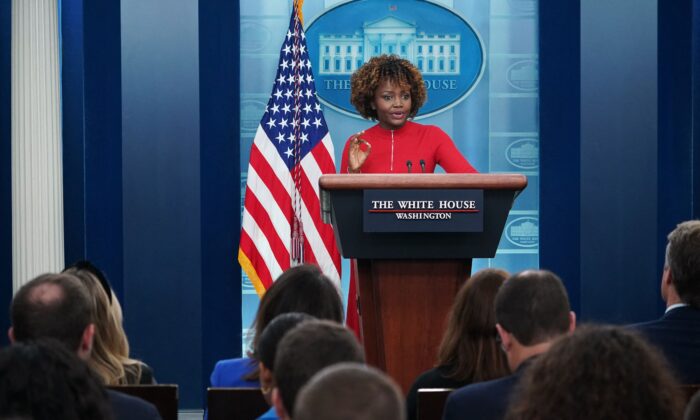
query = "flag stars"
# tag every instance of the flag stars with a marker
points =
(275, 109)
(290, 137)
(308, 93)
(271, 123)
(280, 137)
(286, 49)
(289, 34)
(281, 79)
(278, 94)
(309, 79)
(306, 123)
(284, 65)
(307, 108)
(304, 137)
(317, 122)
(289, 152)
(283, 123)
(288, 94)
(286, 108)
(318, 107)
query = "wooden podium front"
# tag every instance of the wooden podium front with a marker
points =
(407, 281)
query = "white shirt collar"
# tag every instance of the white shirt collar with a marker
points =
(677, 305)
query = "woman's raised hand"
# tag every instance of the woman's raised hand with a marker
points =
(357, 156)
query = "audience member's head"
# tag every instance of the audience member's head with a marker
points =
(268, 343)
(681, 279)
(692, 410)
(350, 391)
(299, 289)
(54, 306)
(110, 352)
(303, 352)
(598, 373)
(532, 309)
(469, 348)
(44, 380)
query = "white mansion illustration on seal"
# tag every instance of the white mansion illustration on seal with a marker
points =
(432, 54)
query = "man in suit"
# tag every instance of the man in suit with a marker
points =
(532, 310)
(677, 333)
(57, 306)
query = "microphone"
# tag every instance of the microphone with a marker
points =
(409, 164)
(422, 166)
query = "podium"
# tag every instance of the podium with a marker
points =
(407, 280)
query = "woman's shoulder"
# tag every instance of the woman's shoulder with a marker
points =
(438, 378)
(230, 372)
(432, 131)
(139, 373)
(239, 363)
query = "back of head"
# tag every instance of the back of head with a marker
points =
(598, 372)
(273, 334)
(533, 306)
(110, 354)
(469, 348)
(44, 380)
(350, 391)
(299, 289)
(683, 259)
(307, 349)
(51, 306)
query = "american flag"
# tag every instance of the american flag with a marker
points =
(292, 148)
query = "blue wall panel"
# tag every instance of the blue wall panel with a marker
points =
(103, 136)
(5, 170)
(695, 88)
(675, 178)
(73, 106)
(619, 160)
(162, 188)
(560, 142)
(220, 173)
(91, 100)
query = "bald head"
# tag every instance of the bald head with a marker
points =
(51, 306)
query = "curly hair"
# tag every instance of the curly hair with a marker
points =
(469, 348)
(365, 81)
(44, 380)
(600, 372)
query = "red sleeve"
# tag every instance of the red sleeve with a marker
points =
(449, 157)
(344, 158)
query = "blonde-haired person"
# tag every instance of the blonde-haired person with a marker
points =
(110, 354)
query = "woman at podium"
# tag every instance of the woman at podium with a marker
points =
(390, 90)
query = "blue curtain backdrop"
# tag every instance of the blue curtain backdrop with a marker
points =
(151, 172)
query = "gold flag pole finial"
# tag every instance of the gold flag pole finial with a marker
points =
(298, 4)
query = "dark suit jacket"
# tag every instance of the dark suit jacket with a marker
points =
(483, 400)
(126, 407)
(677, 335)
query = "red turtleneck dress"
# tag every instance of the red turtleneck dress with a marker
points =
(392, 149)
